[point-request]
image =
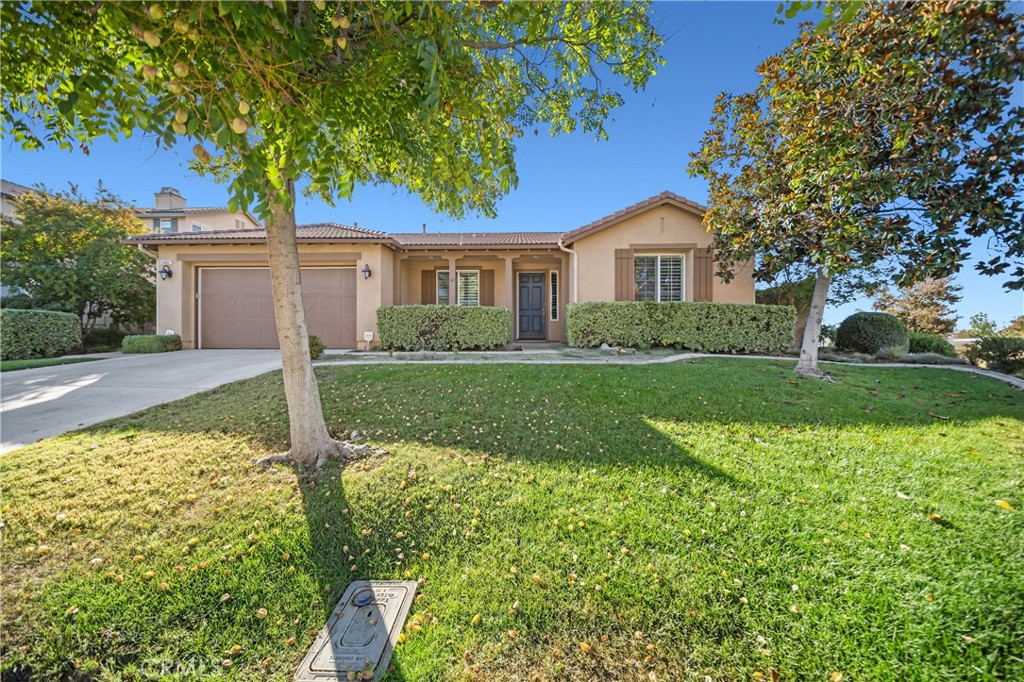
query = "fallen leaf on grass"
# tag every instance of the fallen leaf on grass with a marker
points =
(1006, 505)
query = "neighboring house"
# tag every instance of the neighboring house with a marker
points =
(216, 288)
(10, 192)
(170, 215)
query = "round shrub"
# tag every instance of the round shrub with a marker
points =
(316, 347)
(931, 343)
(871, 332)
(26, 334)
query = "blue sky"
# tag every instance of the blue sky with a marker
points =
(565, 181)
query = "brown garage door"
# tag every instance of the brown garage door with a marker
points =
(236, 309)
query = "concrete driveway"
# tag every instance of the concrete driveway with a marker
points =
(48, 401)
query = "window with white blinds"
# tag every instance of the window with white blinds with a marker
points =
(467, 289)
(658, 278)
(553, 289)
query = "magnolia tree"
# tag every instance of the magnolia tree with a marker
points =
(887, 137)
(427, 96)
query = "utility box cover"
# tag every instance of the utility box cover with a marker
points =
(360, 635)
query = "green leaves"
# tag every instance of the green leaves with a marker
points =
(887, 135)
(66, 252)
(372, 94)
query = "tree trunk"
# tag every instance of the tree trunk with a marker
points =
(310, 440)
(311, 443)
(808, 364)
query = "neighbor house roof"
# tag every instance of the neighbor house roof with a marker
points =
(665, 198)
(320, 232)
(13, 189)
(185, 210)
(152, 212)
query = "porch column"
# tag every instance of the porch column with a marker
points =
(509, 293)
(397, 295)
(510, 296)
(453, 283)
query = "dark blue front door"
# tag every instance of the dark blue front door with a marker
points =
(531, 305)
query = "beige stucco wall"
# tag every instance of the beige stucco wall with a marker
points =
(211, 221)
(663, 229)
(177, 305)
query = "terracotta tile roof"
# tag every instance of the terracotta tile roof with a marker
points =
(455, 239)
(430, 240)
(617, 217)
(304, 233)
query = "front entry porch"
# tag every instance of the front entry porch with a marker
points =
(527, 282)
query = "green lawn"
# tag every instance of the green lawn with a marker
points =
(718, 518)
(15, 365)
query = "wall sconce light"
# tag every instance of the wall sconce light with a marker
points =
(366, 272)
(165, 272)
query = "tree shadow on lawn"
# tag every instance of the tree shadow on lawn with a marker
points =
(570, 419)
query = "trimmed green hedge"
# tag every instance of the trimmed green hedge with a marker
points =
(871, 332)
(151, 343)
(700, 327)
(443, 327)
(1001, 353)
(931, 343)
(26, 334)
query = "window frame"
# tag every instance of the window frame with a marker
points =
(554, 293)
(169, 227)
(437, 286)
(657, 274)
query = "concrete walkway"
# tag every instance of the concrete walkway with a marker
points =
(577, 356)
(48, 401)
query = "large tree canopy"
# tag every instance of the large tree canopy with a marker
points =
(428, 96)
(66, 252)
(886, 137)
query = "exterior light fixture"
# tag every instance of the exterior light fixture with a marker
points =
(366, 272)
(165, 272)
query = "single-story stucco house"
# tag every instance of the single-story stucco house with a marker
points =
(215, 286)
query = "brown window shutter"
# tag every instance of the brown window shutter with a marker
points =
(703, 271)
(428, 288)
(623, 274)
(487, 287)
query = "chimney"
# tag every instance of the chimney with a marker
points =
(168, 198)
(424, 228)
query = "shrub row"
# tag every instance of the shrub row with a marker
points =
(1001, 353)
(28, 334)
(443, 327)
(151, 343)
(700, 327)
(931, 343)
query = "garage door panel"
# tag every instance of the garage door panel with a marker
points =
(237, 308)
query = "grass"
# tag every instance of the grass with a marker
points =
(719, 518)
(15, 365)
